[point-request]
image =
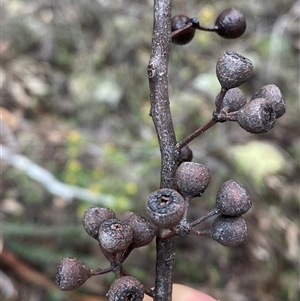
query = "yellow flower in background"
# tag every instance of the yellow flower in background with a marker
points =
(131, 188)
(74, 136)
(73, 166)
(207, 15)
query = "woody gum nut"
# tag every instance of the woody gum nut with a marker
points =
(231, 24)
(234, 99)
(115, 236)
(192, 179)
(71, 274)
(273, 94)
(229, 231)
(232, 199)
(178, 22)
(165, 208)
(233, 69)
(94, 217)
(257, 116)
(143, 230)
(126, 288)
(186, 154)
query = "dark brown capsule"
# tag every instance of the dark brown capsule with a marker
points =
(229, 231)
(273, 94)
(234, 99)
(233, 69)
(94, 217)
(71, 274)
(165, 208)
(186, 154)
(232, 199)
(126, 288)
(257, 116)
(230, 24)
(186, 36)
(192, 179)
(115, 236)
(143, 230)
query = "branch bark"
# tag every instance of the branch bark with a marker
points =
(162, 119)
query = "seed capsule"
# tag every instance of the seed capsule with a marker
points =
(273, 94)
(192, 179)
(234, 99)
(178, 22)
(233, 69)
(71, 274)
(229, 231)
(143, 230)
(186, 155)
(126, 288)
(115, 236)
(94, 217)
(257, 116)
(165, 208)
(232, 199)
(231, 24)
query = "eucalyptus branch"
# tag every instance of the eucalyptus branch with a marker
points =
(162, 119)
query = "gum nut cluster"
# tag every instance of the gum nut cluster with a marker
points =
(115, 236)
(229, 231)
(232, 199)
(126, 288)
(165, 208)
(273, 94)
(257, 116)
(234, 99)
(71, 274)
(143, 230)
(230, 24)
(178, 22)
(192, 179)
(94, 217)
(233, 69)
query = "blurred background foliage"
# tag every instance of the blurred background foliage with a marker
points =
(76, 132)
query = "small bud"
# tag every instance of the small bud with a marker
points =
(71, 274)
(192, 179)
(165, 208)
(126, 288)
(234, 99)
(232, 199)
(257, 116)
(143, 230)
(230, 24)
(229, 231)
(233, 69)
(115, 236)
(94, 217)
(178, 22)
(186, 155)
(273, 94)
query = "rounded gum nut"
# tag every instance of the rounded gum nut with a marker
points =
(234, 99)
(126, 288)
(273, 94)
(231, 24)
(257, 116)
(232, 199)
(192, 179)
(186, 154)
(71, 274)
(178, 22)
(94, 217)
(233, 69)
(229, 231)
(143, 230)
(165, 208)
(115, 236)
